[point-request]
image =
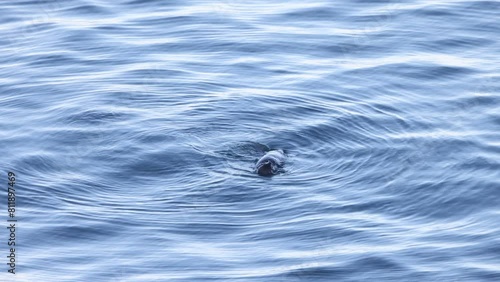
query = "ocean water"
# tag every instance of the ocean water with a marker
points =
(133, 128)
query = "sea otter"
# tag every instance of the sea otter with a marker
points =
(271, 163)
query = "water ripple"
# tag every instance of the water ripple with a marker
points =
(134, 128)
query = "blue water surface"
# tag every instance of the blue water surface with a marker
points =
(133, 128)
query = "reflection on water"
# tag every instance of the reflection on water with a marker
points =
(134, 127)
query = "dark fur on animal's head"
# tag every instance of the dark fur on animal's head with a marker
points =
(271, 163)
(266, 169)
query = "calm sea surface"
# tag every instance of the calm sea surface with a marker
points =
(133, 128)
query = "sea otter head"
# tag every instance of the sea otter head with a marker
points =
(266, 168)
